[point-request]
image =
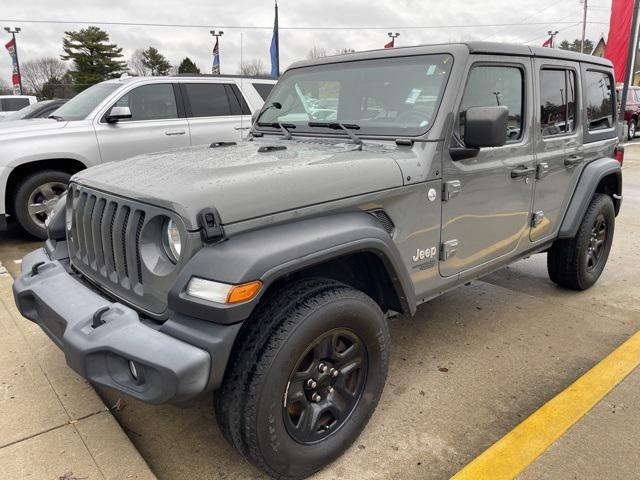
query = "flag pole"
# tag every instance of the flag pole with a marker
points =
(631, 56)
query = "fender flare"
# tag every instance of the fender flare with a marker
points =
(591, 176)
(269, 253)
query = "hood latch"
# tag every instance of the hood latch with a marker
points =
(210, 225)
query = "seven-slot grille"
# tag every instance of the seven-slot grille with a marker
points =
(104, 239)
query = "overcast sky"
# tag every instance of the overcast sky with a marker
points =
(37, 40)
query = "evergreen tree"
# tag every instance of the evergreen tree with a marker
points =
(155, 62)
(187, 66)
(576, 44)
(94, 58)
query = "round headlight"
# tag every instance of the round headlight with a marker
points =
(171, 240)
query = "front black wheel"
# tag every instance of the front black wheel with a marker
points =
(631, 129)
(305, 377)
(578, 262)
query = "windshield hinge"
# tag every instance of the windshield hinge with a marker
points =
(404, 142)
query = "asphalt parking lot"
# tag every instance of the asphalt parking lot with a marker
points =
(465, 371)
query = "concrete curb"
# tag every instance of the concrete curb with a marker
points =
(52, 422)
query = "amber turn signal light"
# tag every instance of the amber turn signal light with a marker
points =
(244, 292)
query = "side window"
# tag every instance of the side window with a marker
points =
(599, 104)
(208, 99)
(557, 101)
(150, 102)
(236, 100)
(490, 85)
(13, 104)
(264, 89)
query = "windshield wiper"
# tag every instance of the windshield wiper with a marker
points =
(57, 118)
(282, 126)
(347, 127)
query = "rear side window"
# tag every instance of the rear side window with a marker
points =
(599, 100)
(264, 89)
(557, 101)
(150, 102)
(214, 99)
(13, 104)
(491, 85)
(236, 101)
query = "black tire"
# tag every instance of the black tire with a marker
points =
(631, 129)
(252, 405)
(27, 191)
(573, 263)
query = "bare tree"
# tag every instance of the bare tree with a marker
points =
(253, 68)
(316, 52)
(38, 73)
(137, 64)
(5, 89)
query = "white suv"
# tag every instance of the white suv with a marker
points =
(114, 120)
(13, 103)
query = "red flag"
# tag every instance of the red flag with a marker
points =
(619, 33)
(548, 43)
(9, 46)
(390, 44)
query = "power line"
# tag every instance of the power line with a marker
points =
(552, 4)
(270, 27)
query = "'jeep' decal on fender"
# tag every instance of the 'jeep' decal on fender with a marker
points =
(427, 254)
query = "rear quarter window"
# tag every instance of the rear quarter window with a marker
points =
(599, 100)
(264, 89)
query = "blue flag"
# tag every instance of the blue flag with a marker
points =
(275, 48)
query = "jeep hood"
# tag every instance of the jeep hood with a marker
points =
(243, 183)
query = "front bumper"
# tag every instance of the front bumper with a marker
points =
(168, 369)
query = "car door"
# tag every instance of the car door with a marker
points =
(217, 112)
(558, 148)
(487, 198)
(157, 123)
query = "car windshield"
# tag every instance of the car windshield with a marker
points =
(388, 96)
(23, 112)
(84, 103)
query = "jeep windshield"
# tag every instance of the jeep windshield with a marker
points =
(80, 106)
(395, 96)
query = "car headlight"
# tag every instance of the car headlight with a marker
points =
(171, 240)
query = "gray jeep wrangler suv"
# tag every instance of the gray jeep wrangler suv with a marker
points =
(372, 182)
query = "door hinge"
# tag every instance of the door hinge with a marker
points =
(448, 249)
(542, 170)
(537, 218)
(451, 189)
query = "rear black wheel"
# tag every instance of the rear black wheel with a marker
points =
(631, 129)
(305, 377)
(578, 262)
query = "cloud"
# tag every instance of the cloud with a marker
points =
(37, 40)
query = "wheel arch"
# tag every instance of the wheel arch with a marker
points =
(600, 176)
(352, 248)
(22, 171)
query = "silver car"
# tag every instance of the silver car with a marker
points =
(111, 121)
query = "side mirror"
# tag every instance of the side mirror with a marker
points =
(486, 127)
(118, 113)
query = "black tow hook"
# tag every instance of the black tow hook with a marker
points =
(97, 317)
(34, 269)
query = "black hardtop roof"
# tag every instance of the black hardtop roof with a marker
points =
(490, 48)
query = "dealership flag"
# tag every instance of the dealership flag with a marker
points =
(215, 68)
(619, 33)
(275, 47)
(390, 44)
(15, 77)
(548, 43)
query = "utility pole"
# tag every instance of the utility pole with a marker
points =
(13, 32)
(552, 35)
(584, 27)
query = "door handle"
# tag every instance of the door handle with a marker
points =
(242, 128)
(175, 132)
(522, 172)
(573, 160)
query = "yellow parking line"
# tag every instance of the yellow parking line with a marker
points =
(521, 446)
